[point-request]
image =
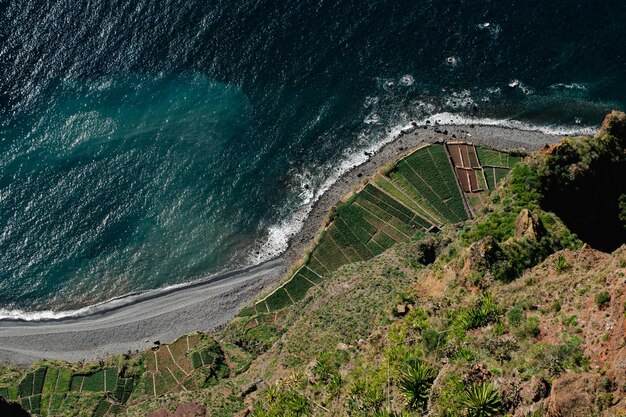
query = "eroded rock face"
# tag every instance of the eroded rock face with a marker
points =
(528, 225)
(535, 390)
(614, 124)
(573, 395)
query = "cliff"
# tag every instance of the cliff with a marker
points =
(518, 311)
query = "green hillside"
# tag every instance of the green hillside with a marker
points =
(421, 192)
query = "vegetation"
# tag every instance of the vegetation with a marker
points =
(505, 314)
(482, 400)
(415, 382)
(603, 299)
(400, 205)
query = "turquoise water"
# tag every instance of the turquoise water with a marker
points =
(147, 144)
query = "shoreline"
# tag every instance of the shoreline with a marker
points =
(110, 306)
(498, 137)
(124, 324)
(135, 326)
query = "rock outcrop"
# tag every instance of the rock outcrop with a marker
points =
(528, 225)
(573, 395)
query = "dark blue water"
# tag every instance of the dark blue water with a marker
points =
(144, 144)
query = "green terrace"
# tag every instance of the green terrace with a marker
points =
(192, 362)
(433, 185)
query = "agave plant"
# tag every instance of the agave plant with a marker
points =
(415, 382)
(561, 264)
(482, 400)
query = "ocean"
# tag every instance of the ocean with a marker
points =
(145, 144)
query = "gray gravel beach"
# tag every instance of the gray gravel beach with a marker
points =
(209, 305)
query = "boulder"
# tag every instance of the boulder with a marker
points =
(401, 310)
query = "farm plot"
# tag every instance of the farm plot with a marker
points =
(459, 155)
(419, 209)
(124, 389)
(422, 190)
(401, 179)
(101, 381)
(493, 158)
(44, 391)
(468, 180)
(169, 368)
(298, 286)
(279, 299)
(494, 175)
(463, 155)
(430, 172)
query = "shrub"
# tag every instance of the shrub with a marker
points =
(258, 339)
(366, 395)
(603, 299)
(484, 312)
(433, 340)
(482, 400)
(415, 382)
(516, 316)
(558, 358)
(501, 348)
(529, 329)
(280, 401)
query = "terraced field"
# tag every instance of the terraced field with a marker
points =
(492, 158)
(191, 362)
(433, 185)
(496, 165)
(469, 173)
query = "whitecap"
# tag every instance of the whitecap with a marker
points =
(452, 61)
(407, 80)
(372, 118)
(370, 101)
(572, 86)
